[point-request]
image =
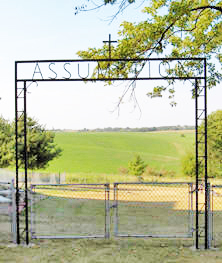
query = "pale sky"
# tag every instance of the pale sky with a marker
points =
(48, 29)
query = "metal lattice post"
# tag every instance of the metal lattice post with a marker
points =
(201, 158)
(21, 95)
(207, 188)
(16, 158)
(197, 164)
(26, 168)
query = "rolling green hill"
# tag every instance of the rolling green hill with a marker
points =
(104, 152)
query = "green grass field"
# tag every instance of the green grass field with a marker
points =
(105, 153)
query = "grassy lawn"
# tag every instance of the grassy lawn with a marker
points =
(66, 217)
(107, 152)
(108, 251)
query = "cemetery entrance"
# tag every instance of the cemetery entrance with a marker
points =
(97, 70)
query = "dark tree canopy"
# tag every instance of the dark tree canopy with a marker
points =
(214, 145)
(6, 143)
(40, 144)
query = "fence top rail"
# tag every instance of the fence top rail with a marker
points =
(76, 189)
(61, 185)
(153, 183)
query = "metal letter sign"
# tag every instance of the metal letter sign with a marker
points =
(78, 70)
(27, 72)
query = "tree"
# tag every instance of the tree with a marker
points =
(136, 166)
(122, 5)
(214, 146)
(214, 142)
(6, 143)
(40, 145)
(189, 165)
(186, 28)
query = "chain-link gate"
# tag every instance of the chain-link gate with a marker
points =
(161, 210)
(154, 210)
(140, 210)
(70, 211)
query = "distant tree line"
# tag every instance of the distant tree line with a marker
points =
(143, 129)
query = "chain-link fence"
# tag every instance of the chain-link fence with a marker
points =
(7, 212)
(161, 210)
(33, 177)
(153, 209)
(216, 214)
(70, 211)
(6, 175)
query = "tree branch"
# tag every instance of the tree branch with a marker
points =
(218, 8)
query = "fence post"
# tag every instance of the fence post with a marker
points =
(107, 208)
(31, 210)
(210, 228)
(63, 178)
(191, 212)
(13, 213)
(116, 209)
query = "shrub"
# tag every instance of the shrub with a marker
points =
(189, 165)
(137, 166)
(123, 170)
(151, 172)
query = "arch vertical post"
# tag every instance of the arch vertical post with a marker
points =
(202, 207)
(21, 139)
(207, 241)
(197, 165)
(26, 167)
(16, 158)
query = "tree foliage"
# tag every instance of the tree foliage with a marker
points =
(214, 146)
(6, 143)
(214, 142)
(122, 5)
(40, 144)
(185, 28)
(189, 165)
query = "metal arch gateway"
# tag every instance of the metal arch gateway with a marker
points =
(27, 72)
